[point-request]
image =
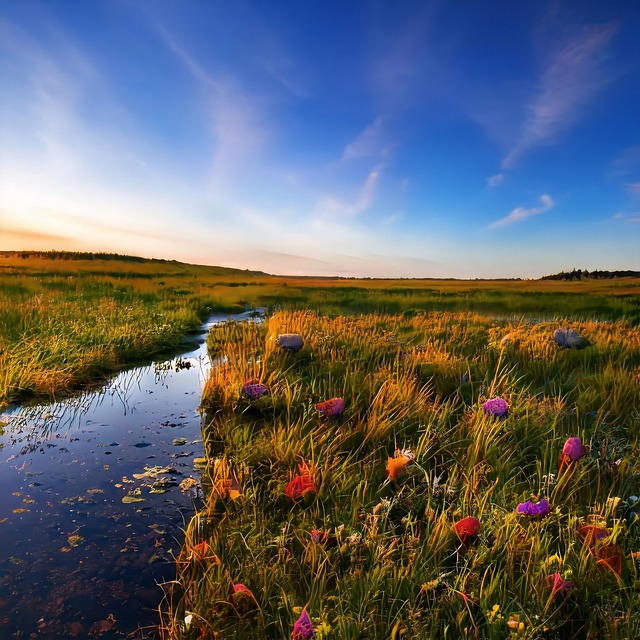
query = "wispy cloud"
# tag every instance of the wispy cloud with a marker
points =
(494, 181)
(28, 238)
(329, 205)
(521, 213)
(633, 187)
(575, 74)
(371, 142)
(633, 216)
(239, 128)
(402, 57)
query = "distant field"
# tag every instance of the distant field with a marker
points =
(66, 321)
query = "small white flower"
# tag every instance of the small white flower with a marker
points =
(354, 539)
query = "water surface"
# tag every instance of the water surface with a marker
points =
(75, 559)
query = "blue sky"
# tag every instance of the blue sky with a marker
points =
(413, 139)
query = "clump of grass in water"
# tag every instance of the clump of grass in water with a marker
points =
(387, 562)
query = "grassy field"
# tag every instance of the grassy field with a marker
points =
(374, 547)
(353, 519)
(64, 322)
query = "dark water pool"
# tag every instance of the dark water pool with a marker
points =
(76, 561)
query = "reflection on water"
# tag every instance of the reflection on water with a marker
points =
(75, 559)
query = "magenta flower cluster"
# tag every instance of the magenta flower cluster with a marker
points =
(573, 449)
(302, 627)
(496, 407)
(558, 584)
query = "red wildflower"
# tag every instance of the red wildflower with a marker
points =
(331, 408)
(301, 484)
(467, 528)
(609, 556)
(202, 551)
(591, 532)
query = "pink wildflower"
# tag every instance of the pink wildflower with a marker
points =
(242, 598)
(558, 584)
(573, 450)
(302, 627)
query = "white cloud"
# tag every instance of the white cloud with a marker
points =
(520, 213)
(574, 75)
(494, 181)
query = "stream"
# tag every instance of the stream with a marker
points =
(91, 504)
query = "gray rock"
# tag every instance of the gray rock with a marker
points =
(570, 339)
(290, 341)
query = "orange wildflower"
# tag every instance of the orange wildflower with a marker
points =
(591, 532)
(396, 466)
(203, 551)
(228, 488)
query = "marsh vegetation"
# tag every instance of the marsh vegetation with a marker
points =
(374, 546)
(399, 516)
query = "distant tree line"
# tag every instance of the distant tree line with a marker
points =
(77, 255)
(584, 274)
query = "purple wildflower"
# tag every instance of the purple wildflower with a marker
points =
(254, 389)
(496, 407)
(534, 509)
(302, 627)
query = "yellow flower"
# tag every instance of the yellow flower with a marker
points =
(552, 559)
